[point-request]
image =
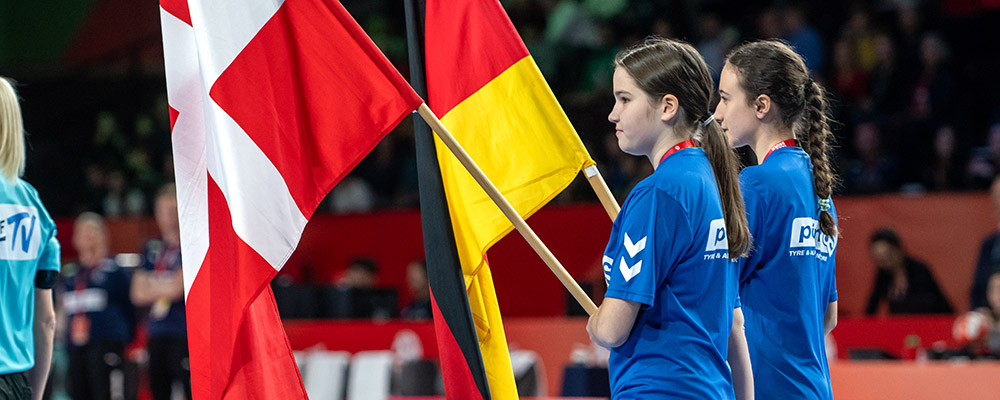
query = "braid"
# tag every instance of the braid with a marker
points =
(813, 130)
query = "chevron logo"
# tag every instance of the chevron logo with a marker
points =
(630, 272)
(634, 248)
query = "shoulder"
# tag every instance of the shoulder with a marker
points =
(651, 196)
(916, 266)
(754, 183)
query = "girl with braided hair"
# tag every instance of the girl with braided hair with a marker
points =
(787, 284)
(671, 312)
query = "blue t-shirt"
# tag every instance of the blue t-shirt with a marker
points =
(668, 251)
(102, 294)
(787, 282)
(27, 245)
(162, 261)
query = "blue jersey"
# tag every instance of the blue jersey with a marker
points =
(668, 251)
(788, 280)
(27, 245)
(100, 293)
(166, 320)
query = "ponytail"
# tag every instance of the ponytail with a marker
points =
(771, 67)
(11, 133)
(813, 131)
(662, 66)
(725, 166)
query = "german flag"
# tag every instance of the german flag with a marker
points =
(488, 91)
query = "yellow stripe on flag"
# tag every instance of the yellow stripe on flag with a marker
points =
(520, 137)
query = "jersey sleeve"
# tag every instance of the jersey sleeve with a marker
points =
(755, 222)
(643, 247)
(49, 258)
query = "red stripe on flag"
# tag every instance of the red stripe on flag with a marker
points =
(177, 8)
(455, 368)
(173, 116)
(238, 347)
(454, 29)
(315, 94)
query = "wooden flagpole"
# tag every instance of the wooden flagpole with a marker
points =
(508, 210)
(601, 190)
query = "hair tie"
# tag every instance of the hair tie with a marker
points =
(708, 120)
(824, 205)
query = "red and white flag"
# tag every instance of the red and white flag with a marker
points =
(271, 102)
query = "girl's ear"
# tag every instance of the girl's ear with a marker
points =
(668, 107)
(762, 106)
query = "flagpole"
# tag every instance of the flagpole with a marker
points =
(508, 210)
(601, 190)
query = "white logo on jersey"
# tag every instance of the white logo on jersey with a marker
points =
(629, 272)
(717, 236)
(635, 248)
(20, 232)
(806, 233)
(608, 262)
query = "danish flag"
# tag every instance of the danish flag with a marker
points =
(271, 103)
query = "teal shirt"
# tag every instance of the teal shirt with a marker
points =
(27, 245)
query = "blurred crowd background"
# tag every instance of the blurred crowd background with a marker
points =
(913, 85)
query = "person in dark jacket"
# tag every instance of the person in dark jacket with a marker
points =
(906, 285)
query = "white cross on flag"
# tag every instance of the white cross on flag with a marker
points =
(272, 102)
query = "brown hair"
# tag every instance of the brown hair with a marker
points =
(771, 67)
(663, 66)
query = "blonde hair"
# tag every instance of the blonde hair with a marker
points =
(11, 133)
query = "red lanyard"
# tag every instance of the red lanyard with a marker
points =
(679, 146)
(783, 143)
(162, 260)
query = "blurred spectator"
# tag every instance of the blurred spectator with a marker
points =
(121, 199)
(570, 24)
(416, 280)
(769, 24)
(851, 81)
(860, 36)
(381, 169)
(989, 256)
(361, 274)
(871, 171)
(158, 284)
(945, 171)
(932, 95)
(109, 144)
(902, 283)
(99, 314)
(888, 80)
(984, 162)
(352, 195)
(717, 39)
(803, 37)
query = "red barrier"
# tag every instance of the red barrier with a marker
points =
(944, 230)
(890, 333)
